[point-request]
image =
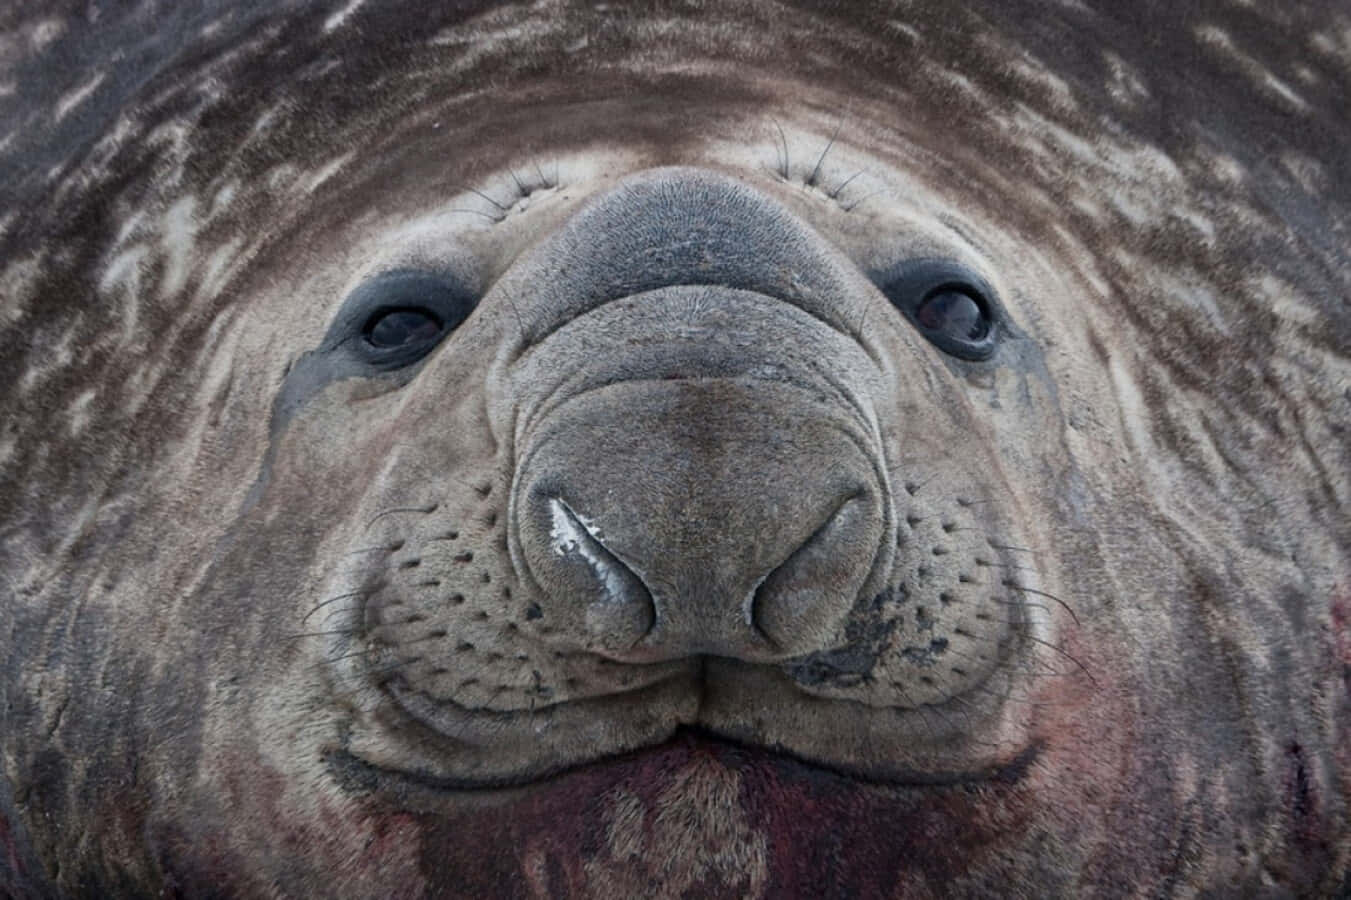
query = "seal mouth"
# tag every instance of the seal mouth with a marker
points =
(684, 741)
(444, 746)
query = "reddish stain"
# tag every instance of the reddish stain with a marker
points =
(826, 835)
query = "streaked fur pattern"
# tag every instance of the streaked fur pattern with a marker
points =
(1152, 483)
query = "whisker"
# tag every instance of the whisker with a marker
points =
(1064, 653)
(986, 564)
(320, 605)
(351, 655)
(1010, 583)
(485, 197)
(835, 194)
(393, 666)
(1021, 604)
(773, 171)
(857, 203)
(331, 613)
(431, 508)
(784, 169)
(391, 548)
(816, 170)
(478, 212)
(308, 634)
(1012, 623)
(1010, 547)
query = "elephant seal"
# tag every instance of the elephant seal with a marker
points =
(778, 449)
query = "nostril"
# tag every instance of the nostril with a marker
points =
(621, 612)
(804, 599)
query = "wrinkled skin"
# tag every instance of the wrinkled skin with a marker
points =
(686, 565)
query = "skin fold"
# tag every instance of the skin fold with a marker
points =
(515, 450)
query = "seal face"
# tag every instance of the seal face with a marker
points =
(716, 499)
(779, 451)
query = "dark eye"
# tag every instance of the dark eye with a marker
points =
(947, 303)
(397, 318)
(392, 328)
(953, 313)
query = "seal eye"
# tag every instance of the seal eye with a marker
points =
(954, 314)
(392, 328)
(947, 303)
(397, 318)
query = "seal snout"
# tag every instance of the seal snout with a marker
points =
(714, 517)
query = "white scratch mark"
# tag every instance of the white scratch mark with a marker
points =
(179, 235)
(1134, 414)
(45, 32)
(1285, 302)
(1272, 86)
(78, 411)
(122, 279)
(573, 534)
(216, 272)
(340, 16)
(74, 98)
(223, 198)
(327, 172)
(907, 30)
(1126, 86)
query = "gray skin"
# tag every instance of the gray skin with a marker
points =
(688, 563)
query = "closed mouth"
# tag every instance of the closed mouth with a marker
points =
(685, 742)
(443, 728)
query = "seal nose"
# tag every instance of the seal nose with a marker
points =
(730, 521)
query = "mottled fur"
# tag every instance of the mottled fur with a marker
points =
(192, 522)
